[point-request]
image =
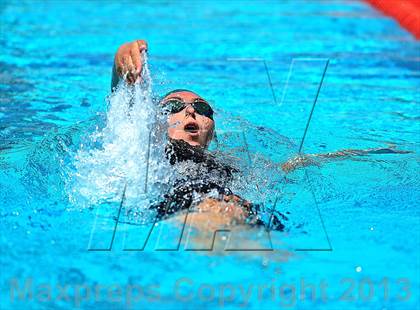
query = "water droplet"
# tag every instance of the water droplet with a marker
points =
(265, 262)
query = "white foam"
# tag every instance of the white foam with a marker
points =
(129, 150)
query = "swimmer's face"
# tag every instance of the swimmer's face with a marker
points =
(187, 124)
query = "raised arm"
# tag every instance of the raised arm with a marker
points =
(128, 62)
(304, 160)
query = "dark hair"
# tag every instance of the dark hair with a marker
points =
(176, 91)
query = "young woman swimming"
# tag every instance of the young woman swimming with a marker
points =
(191, 129)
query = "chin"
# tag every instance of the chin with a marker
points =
(191, 142)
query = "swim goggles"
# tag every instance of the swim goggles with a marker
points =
(175, 105)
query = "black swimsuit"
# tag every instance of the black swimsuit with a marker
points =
(216, 176)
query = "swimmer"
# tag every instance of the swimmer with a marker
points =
(191, 129)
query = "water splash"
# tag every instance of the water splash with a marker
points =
(127, 152)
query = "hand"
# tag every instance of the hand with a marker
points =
(230, 210)
(236, 199)
(128, 60)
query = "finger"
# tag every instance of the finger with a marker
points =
(129, 63)
(124, 70)
(129, 68)
(141, 45)
(136, 55)
(124, 67)
(136, 58)
(119, 65)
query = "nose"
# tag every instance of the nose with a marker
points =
(190, 109)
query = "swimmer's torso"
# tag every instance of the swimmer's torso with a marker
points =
(202, 181)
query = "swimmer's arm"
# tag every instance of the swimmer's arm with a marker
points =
(128, 62)
(305, 160)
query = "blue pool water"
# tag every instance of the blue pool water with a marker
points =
(357, 218)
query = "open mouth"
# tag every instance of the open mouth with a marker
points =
(191, 128)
